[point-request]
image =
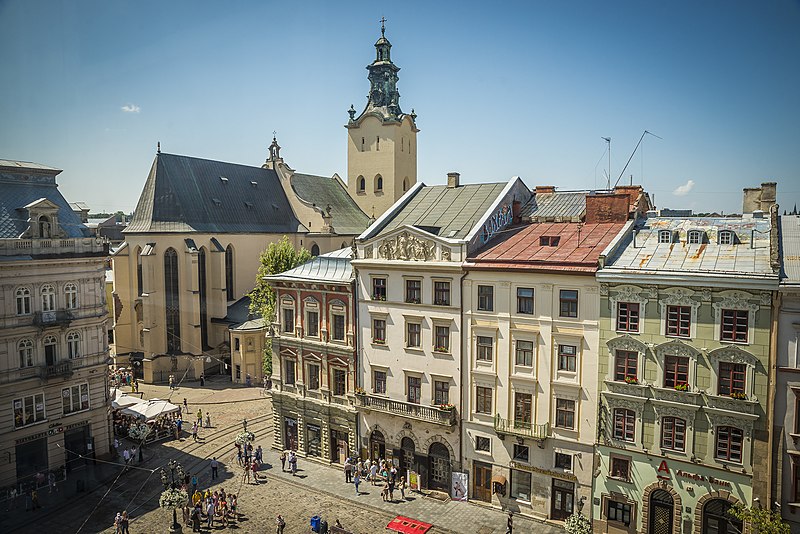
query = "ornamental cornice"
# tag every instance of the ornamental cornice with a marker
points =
(671, 409)
(732, 354)
(735, 300)
(626, 342)
(676, 347)
(617, 400)
(725, 418)
(406, 246)
(678, 296)
(626, 293)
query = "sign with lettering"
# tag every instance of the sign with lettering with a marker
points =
(534, 469)
(664, 474)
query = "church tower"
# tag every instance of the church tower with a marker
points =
(382, 140)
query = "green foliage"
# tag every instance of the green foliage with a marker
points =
(761, 521)
(277, 258)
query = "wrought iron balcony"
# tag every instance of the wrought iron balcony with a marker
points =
(53, 318)
(61, 369)
(521, 428)
(431, 414)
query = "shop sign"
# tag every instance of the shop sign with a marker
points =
(664, 474)
(76, 425)
(54, 431)
(33, 437)
(539, 470)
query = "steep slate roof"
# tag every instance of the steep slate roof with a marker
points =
(450, 212)
(707, 257)
(185, 194)
(17, 192)
(790, 249)
(347, 216)
(520, 249)
(331, 267)
(565, 205)
(239, 316)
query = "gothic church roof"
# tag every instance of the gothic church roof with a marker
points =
(347, 216)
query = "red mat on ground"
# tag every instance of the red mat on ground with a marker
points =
(408, 526)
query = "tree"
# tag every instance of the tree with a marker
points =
(277, 258)
(761, 520)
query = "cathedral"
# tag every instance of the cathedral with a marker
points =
(191, 251)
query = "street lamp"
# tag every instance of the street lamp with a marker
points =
(169, 482)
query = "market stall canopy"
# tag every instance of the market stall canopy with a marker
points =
(150, 410)
(123, 401)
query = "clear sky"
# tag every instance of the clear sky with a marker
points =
(501, 89)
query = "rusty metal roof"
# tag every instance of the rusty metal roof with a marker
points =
(560, 205)
(790, 249)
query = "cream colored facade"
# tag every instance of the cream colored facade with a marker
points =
(516, 377)
(53, 355)
(247, 352)
(381, 161)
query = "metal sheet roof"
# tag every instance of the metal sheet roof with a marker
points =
(28, 165)
(331, 267)
(749, 255)
(347, 216)
(790, 249)
(558, 205)
(185, 194)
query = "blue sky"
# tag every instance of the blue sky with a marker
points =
(501, 89)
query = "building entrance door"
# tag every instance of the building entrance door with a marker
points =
(406, 455)
(377, 445)
(717, 520)
(339, 448)
(439, 460)
(562, 499)
(31, 459)
(481, 481)
(290, 433)
(76, 443)
(661, 510)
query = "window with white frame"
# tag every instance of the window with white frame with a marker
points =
(414, 389)
(23, 297)
(696, 237)
(379, 381)
(73, 345)
(565, 413)
(442, 339)
(485, 348)
(665, 236)
(673, 433)
(414, 291)
(524, 353)
(287, 316)
(28, 410)
(75, 398)
(483, 400)
(441, 293)
(734, 325)
(413, 334)
(567, 357)
(679, 321)
(70, 296)
(626, 366)
(48, 294)
(486, 298)
(525, 300)
(627, 316)
(568, 303)
(726, 237)
(624, 424)
(379, 331)
(312, 318)
(25, 348)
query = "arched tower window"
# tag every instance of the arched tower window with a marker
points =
(139, 276)
(172, 301)
(362, 184)
(203, 294)
(405, 184)
(315, 250)
(378, 183)
(71, 296)
(44, 226)
(229, 273)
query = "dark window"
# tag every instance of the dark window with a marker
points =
(379, 382)
(620, 467)
(731, 378)
(521, 485)
(288, 320)
(229, 289)
(379, 289)
(729, 444)
(486, 298)
(172, 301)
(315, 250)
(413, 335)
(563, 461)
(524, 353)
(203, 295)
(75, 398)
(379, 330)
(673, 433)
(549, 240)
(525, 300)
(441, 293)
(521, 453)
(523, 403)
(568, 303)
(679, 321)
(483, 400)
(414, 291)
(482, 443)
(338, 327)
(485, 348)
(441, 392)
(567, 357)
(619, 512)
(313, 376)
(628, 317)
(139, 273)
(624, 424)
(626, 364)
(312, 324)
(339, 381)
(795, 481)
(676, 371)
(290, 377)
(565, 413)
(442, 343)
(414, 389)
(734, 325)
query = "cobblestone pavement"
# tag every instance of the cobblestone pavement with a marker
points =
(317, 490)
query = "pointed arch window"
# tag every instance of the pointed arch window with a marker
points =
(362, 184)
(203, 294)
(73, 345)
(229, 289)
(315, 250)
(23, 296)
(71, 296)
(25, 348)
(378, 183)
(48, 294)
(172, 301)
(139, 275)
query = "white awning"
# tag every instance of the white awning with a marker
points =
(150, 410)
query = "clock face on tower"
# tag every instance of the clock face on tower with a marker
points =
(377, 97)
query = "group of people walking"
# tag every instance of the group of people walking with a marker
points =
(209, 507)
(251, 460)
(377, 473)
(291, 458)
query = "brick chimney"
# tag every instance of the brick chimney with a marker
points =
(452, 180)
(542, 189)
(606, 207)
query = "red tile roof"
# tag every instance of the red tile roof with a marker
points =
(521, 249)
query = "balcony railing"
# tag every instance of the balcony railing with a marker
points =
(53, 318)
(77, 245)
(431, 414)
(61, 369)
(521, 428)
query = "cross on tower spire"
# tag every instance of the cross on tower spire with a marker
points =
(383, 26)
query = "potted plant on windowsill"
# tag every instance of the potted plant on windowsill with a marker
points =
(379, 341)
(379, 297)
(441, 348)
(631, 380)
(360, 391)
(446, 407)
(738, 395)
(681, 387)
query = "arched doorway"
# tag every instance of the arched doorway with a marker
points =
(377, 445)
(717, 520)
(439, 466)
(661, 512)
(407, 455)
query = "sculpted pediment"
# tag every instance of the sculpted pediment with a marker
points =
(406, 245)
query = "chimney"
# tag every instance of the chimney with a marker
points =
(516, 209)
(542, 189)
(606, 208)
(452, 180)
(769, 191)
(751, 200)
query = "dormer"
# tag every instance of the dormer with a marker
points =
(42, 220)
(726, 237)
(696, 237)
(666, 236)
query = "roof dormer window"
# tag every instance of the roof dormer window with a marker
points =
(549, 240)
(726, 237)
(664, 236)
(696, 237)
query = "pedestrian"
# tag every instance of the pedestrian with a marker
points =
(293, 463)
(196, 498)
(202, 380)
(385, 492)
(51, 481)
(214, 468)
(124, 523)
(118, 523)
(186, 515)
(196, 518)
(244, 424)
(194, 431)
(171, 382)
(210, 513)
(126, 455)
(348, 470)
(141, 453)
(239, 454)
(12, 499)
(373, 471)
(356, 482)
(283, 461)
(179, 425)
(194, 483)
(234, 506)
(402, 487)
(200, 416)
(281, 524)
(259, 455)
(208, 420)
(246, 474)
(35, 500)
(185, 405)
(133, 453)
(254, 469)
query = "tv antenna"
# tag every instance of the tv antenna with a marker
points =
(632, 154)
(608, 176)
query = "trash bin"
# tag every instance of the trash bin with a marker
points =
(315, 520)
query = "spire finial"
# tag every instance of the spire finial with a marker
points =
(383, 26)
(158, 147)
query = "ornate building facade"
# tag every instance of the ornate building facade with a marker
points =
(53, 342)
(684, 422)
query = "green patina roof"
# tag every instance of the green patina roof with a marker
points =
(347, 216)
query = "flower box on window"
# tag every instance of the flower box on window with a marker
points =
(447, 407)
(738, 395)
(681, 387)
(360, 391)
(631, 380)
(378, 297)
(441, 349)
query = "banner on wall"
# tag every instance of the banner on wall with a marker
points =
(458, 489)
(413, 481)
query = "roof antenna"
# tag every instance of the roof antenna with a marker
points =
(634, 153)
(608, 181)
(158, 148)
